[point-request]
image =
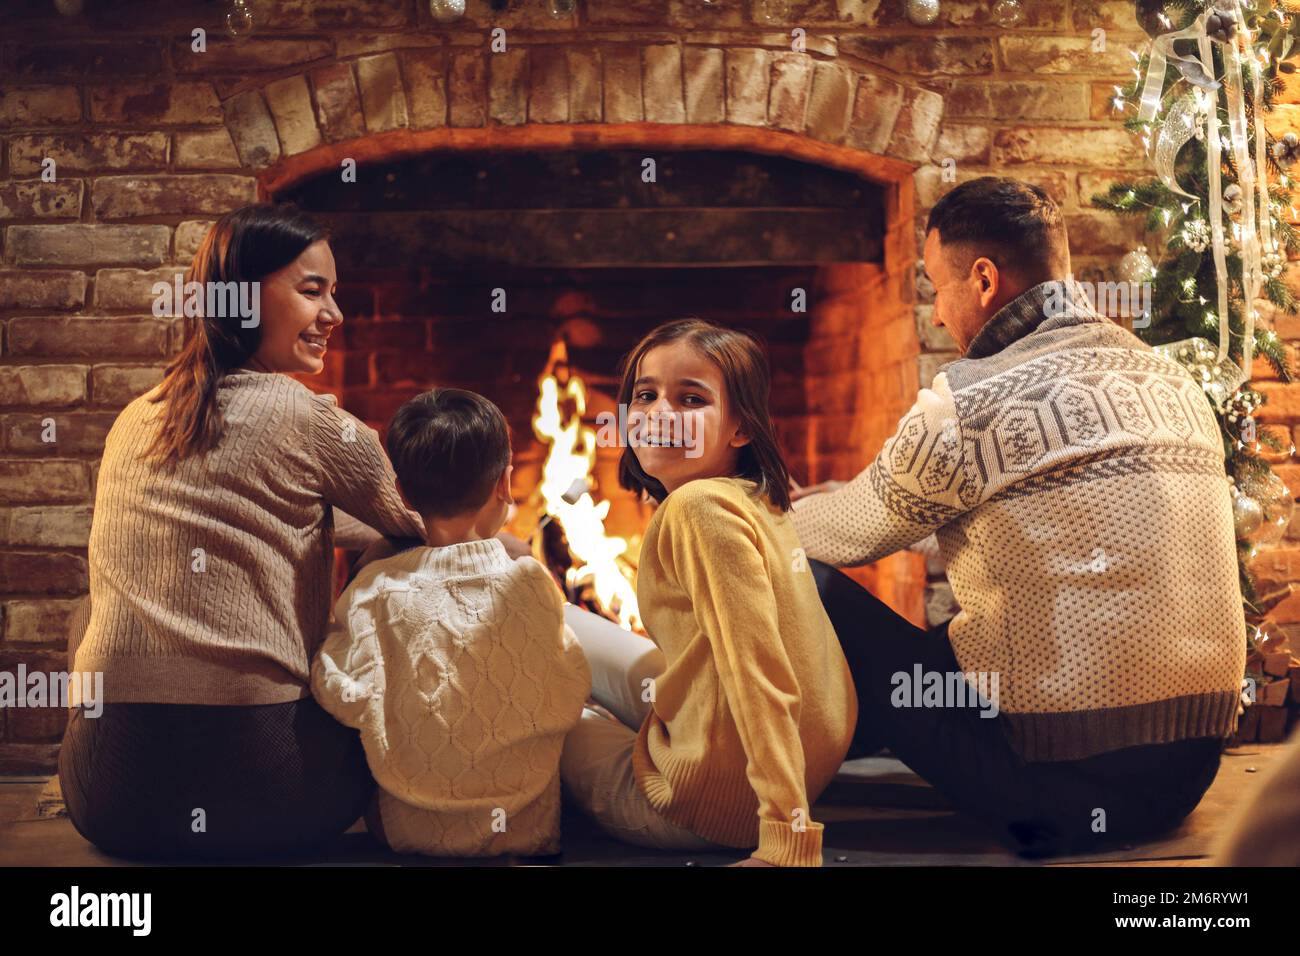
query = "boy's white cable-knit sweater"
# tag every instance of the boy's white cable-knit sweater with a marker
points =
(1075, 482)
(457, 667)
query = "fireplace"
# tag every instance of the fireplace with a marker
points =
(469, 268)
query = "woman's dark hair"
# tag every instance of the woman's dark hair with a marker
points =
(449, 448)
(748, 381)
(245, 245)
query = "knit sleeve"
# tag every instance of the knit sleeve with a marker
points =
(711, 546)
(347, 675)
(922, 479)
(571, 691)
(355, 474)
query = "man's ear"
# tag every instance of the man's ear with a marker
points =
(984, 274)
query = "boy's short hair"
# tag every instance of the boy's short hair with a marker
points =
(449, 448)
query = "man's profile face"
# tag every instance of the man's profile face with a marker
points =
(958, 304)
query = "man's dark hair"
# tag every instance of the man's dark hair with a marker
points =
(1015, 224)
(449, 448)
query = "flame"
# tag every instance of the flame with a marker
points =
(570, 459)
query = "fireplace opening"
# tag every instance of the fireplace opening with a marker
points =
(470, 269)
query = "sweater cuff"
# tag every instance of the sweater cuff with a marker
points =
(780, 844)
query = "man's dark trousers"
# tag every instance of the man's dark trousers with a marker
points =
(1040, 808)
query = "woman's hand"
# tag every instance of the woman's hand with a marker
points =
(752, 861)
(797, 492)
(516, 547)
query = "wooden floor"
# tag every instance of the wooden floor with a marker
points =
(877, 813)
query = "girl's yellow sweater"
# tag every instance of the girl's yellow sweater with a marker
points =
(756, 709)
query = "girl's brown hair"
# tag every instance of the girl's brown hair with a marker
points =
(246, 245)
(747, 379)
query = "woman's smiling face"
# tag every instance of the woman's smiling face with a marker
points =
(298, 313)
(686, 429)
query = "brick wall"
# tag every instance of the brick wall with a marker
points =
(151, 141)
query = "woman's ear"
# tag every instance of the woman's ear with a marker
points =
(740, 439)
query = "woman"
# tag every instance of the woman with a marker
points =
(210, 555)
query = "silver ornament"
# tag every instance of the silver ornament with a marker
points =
(1196, 235)
(239, 19)
(1276, 504)
(1007, 13)
(1233, 200)
(1247, 516)
(922, 12)
(445, 11)
(1137, 266)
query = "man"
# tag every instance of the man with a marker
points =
(1075, 483)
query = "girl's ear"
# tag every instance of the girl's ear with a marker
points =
(740, 439)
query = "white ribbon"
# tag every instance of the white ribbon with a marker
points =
(1214, 159)
(1256, 233)
(1162, 51)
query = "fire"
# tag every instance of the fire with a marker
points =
(568, 469)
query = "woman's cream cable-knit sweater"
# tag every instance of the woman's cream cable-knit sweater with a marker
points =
(210, 582)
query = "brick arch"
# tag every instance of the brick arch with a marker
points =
(402, 101)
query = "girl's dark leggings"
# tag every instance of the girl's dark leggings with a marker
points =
(181, 782)
(1038, 808)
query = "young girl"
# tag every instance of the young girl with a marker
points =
(754, 710)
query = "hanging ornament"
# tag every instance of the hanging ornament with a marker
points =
(1233, 200)
(1196, 235)
(1137, 266)
(1287, 150)
(1273, 264)
(1007, 13)
(445, 11)
(922, 12)
(1239, 412)
(561, 9)
(1221, 25)
(239, 19)
(1219, 379)
(1152, 17)
(1247, 516)
(1276, 505)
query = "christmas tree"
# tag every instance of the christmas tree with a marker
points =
(1210, 69)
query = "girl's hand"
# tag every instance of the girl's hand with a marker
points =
(797, 492)
(752, 861)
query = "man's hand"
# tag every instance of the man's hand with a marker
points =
(797, 492)
(752, 861)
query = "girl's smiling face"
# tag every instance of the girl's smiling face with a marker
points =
(298, 313)
(688, 431)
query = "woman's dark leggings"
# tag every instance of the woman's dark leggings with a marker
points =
(181, 782)
(1039, 808)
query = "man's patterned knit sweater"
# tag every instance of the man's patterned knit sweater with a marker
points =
(1075, 482)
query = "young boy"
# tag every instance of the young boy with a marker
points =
(453, 660)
